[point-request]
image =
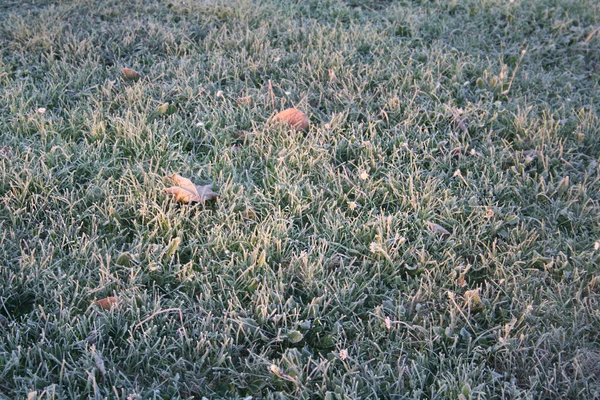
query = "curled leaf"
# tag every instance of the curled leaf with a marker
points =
(244, 100)
(107, 303)
(130, 74)
(294, 118)
(187, 192)
(438, 229)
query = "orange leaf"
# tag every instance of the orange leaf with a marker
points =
(187, 192)
(294, 118)
(244, 100)
(108, 302)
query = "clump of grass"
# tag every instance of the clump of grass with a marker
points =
(317, 272)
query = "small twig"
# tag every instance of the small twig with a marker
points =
(591, 35)
(162, 312)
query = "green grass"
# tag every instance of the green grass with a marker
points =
(478, 115)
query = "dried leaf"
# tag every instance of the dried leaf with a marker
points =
(294, 118)
(108, 302)
(187, 192)
(130, 74)
(244, 100)
(435, 228)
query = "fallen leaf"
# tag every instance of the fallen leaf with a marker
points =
(294, 118)
(187, 192)
(244, 100)
(435, 228)
(130, 74)
(107, 303)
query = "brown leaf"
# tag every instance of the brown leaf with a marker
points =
(130, 74)
(435, 228)
(244, 100)
(107, 303)
(187, 192)
(294, 118)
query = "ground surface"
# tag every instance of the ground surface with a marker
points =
(317, 273)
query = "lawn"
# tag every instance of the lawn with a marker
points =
(433, 234)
